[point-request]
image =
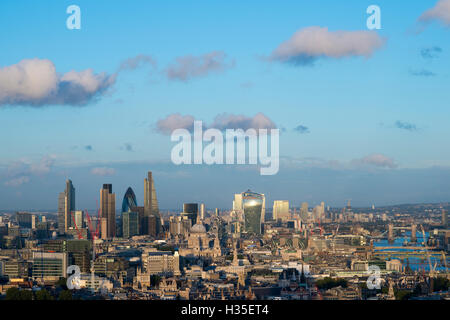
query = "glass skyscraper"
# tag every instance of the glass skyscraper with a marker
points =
(107, 212)
(152, 219)
(66, 204)
(129, 201)
(191, 211)
(130, 216)
(253, 205)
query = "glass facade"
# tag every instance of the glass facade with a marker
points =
(253, 205)
(130, 218)
(49, 264)
(130, 224)
(129, 200)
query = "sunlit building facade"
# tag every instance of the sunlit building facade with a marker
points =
(108, 212)
(253, 206)
(281, 210)
(151, 223)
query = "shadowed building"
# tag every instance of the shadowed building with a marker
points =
(190, 210)
(151, 223)
(107, 212)
(130, 216)
(66, 204)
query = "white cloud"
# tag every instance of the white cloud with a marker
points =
(173, 122)
(20, 172)
(187, 67)
(440, 12)
(16, 182)
(230, 121)
(311, 43)
(377, 160)
(221, 122)
(35, 82)
(103, 171)
(137, 61)
(43, 167)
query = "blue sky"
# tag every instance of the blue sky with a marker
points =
(393, 103)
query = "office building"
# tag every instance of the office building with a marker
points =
(130, 215)
(77, 219)
(130, 224)
(202, 211)
(49, 266)
(179, 226)
(66, 204)
(281, 210)
(190, 210)
(253, 208)
(161, 262)
(107, 212)
(304, 211)
(25, 219)
(151, 223)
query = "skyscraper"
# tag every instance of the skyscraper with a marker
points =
(202, 211)
(78, 218)
(24, 219)
(281, 210)
(107, 212)
(304, 211)
(191, 211)
(253, 205)
(129, 201)
(130, 214)
(152, 220)
(130, 224)
(66, 204)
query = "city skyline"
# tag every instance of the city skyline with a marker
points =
(364, 120)
(224, 159)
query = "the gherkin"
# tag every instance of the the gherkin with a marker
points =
(129, 201)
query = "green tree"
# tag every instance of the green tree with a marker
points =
(62, 282)
(65, 295)
(328, 283)
(17, 294)
(12, 294)
(43, 294)
(402, 294)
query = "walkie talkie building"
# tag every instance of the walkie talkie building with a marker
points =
(253, 205)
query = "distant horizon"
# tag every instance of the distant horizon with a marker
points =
(443, 204)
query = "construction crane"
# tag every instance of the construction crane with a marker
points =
(80, 235)
(337, 230)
